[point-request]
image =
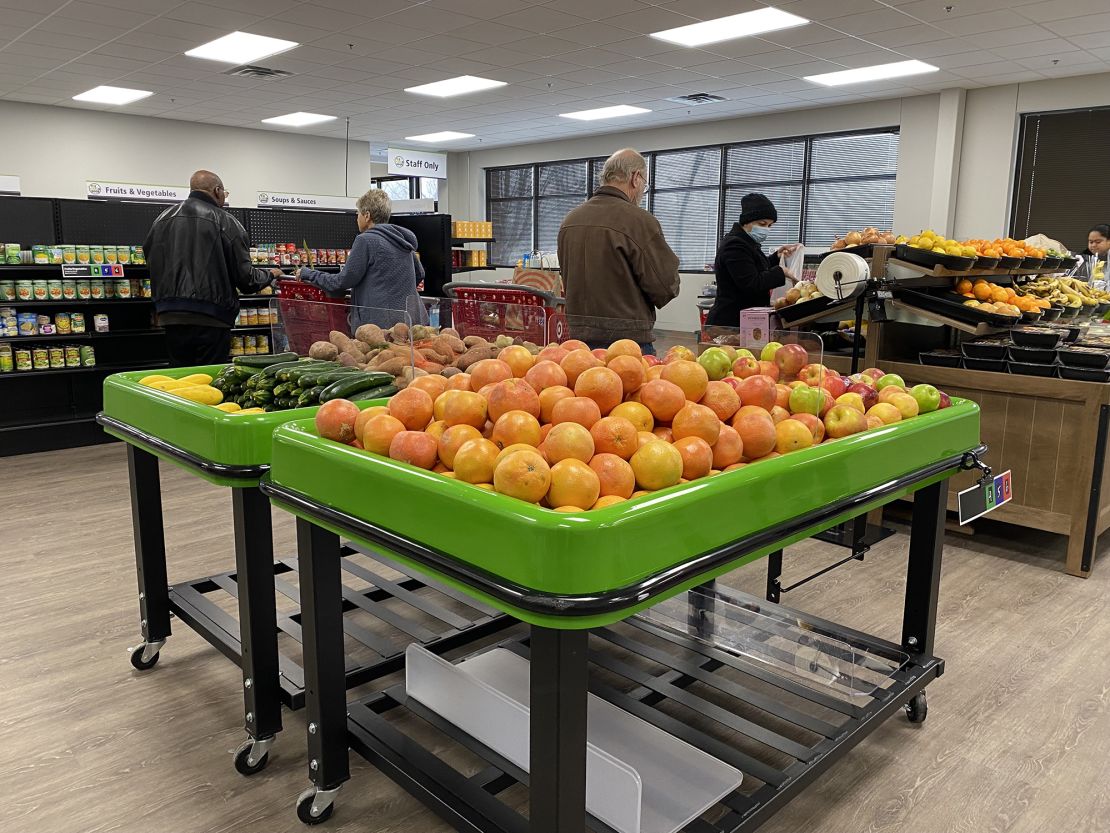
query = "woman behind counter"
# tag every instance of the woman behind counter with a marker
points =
(382, 270)
(745, 275)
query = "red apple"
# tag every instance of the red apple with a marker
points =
(814, 424)
(733, 382)
(791, 358)
(652, 360)
(779, 413)
(906, 405)
(827, 401)
(835, 384)
(814, 374)
(679, 353)
(782, 396)
(886, 412)
(852, 400)
(805, 399)
(889, 391)
(862, 379)
(945, 401)
(797, 383)
(867, 393)
(769, 368)
(874, 373)
(844, 420)
(745, 366)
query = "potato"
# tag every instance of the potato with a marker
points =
(476, 354)
(448, 346)
(394, 365)
(323, 350)
(339, 339)
(448, 372)
(370, 334)
(473, 341)
(432, 356)
(449, 331)
(348, 360)
(399, 332)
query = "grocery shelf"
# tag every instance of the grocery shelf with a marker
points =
(459, 242)
(15, 341)
(252, 328)
(258, 297)
(66, 371)
(456, 269)
(79, 301)
(56, 268)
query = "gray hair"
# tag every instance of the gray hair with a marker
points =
(377, 204)
(621, 165)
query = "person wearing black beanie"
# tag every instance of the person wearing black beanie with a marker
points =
(745, 275)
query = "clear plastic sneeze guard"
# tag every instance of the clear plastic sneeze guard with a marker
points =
(361, 335)
(639, 778)
(770, 636)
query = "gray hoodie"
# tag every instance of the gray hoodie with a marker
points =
(382, 272)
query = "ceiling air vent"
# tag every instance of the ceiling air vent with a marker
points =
(260, 73)
(696, 98)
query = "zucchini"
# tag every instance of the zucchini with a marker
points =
(263, 397)
(287, 374)
(286, 402)
(271, 370)
(310, 397)
(380, 392)
(264, 361)
(346, 388)
(302, 377)
(313, 379)
(220, 384)
(283, 389)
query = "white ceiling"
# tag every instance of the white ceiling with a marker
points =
(357, 56)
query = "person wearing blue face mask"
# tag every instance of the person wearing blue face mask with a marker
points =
(745, 275)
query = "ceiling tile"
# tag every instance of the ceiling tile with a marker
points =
(482, 9)
(230, 20)
(492, 32)
(687, 58)
(590, 34)
(542, 19)
(639, 46)
(544, 46)
(1094, 40)
(1052, 46)
(1060, 9)
(866, 23)
(391, 32)
(549, 66)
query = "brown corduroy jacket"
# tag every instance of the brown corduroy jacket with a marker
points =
(616, 264)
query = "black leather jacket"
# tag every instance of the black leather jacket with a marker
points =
(198, 254)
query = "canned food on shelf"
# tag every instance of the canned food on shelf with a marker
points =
(96, 254)
(23, 359)
(57, 357)
(263, 344)
(54, 289)
(41, 290)
(7, 290)
(69, 289)
(137, 256)
(57, 256)
(123, 288)
(40, 358)
(123, 254)
(24, 290)
(250, 345)
(39, 254)
(13, 254)
(69, 254)
(28, 323)
(146, 292)
(73, 356)
(84, 290)
(7, 362)
(100, 322)
(109, 288)
(77, 322)
(110, 255)
(83, 254)
(88, 356)
(96, 290)
(62, 323)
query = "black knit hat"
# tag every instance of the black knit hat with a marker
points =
(756, 207)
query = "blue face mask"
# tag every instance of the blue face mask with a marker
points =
(759, 234)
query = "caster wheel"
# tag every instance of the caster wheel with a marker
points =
(304, 811)
(917, 709)
(243, 766)
(138, 663)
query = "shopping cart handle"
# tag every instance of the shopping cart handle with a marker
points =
(551, 298)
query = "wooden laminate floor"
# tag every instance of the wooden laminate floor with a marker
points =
(1018, 735)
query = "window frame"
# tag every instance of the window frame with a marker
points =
(722, 186)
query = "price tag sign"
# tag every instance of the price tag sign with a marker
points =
(985, 496)
(92, 270)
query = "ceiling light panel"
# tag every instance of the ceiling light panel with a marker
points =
(442, 136)
(734, 26)
(298, 119)
(112, 95)
(456, 86)
(613, 112)
(879, 72)
(241, 48)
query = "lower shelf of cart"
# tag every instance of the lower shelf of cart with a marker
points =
(779, 731)
(385, 610)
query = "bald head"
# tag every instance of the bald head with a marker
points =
(626, 170)
(208, 182)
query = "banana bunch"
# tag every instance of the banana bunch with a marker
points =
(1067, 292)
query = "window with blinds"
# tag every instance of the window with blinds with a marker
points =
(822, 187)
(1058, 188)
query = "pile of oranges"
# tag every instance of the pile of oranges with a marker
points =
(1004, 247)
(1003, 300)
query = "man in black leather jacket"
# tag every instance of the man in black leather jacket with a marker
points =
(198, 255)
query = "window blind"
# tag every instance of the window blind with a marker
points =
(1059, 189)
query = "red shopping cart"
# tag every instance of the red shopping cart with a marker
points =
(491, 310)
(309, 315)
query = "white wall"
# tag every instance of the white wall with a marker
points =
(54, 150)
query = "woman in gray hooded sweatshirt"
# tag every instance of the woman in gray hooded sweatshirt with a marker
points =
(382, 270)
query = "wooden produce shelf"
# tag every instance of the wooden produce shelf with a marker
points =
(1047, 432)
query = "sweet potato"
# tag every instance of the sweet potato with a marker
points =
(433, 368)
(473, 341)
(411, 373)
(476, 354)
(450, 331)
(323, 350)
(393, 365)
(448, 345)
(432, 356)
(448, 372)
(349, 359)
(339, 339)
(370, 334)
(399, 332)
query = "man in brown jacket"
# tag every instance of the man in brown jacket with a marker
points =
(615, 261)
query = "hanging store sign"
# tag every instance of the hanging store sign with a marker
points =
(985, 496)
(9, 185)
(416, 163)
(135, 192)
(315, 202)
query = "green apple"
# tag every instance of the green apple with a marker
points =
(927, 396)
(744, 353)
(716, 363)
(767, 354)
(889, 379)
(807, 400)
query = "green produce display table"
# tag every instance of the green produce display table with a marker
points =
(234, 451)
(580, 580)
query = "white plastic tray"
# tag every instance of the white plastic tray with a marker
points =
(639, 779)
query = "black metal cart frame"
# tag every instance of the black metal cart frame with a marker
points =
(560, 660)
(271, 679)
